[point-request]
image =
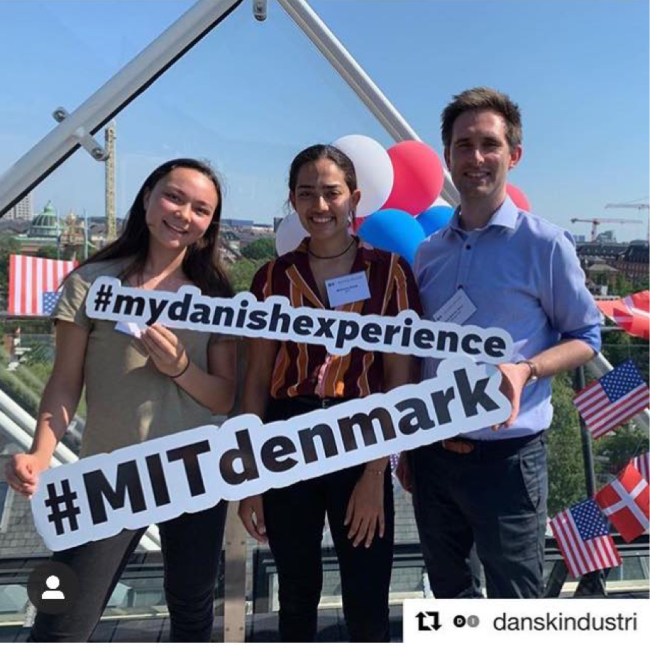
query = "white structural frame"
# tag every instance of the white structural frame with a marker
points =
(359, 81)
(137, 75)
(18, 425)
(119, 91)
(76, 129)
(134, 78)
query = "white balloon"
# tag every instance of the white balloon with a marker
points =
(374, 170)
(289, 234)
(440, 201)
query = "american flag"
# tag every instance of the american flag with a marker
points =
(613, 399)
(33, 284)
(626, 503)
(641, 465)
(583, 537)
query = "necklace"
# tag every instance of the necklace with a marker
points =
(331, 257)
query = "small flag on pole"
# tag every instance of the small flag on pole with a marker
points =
(641, 465)
(34, 283)
(632, 313)
(625, 502)
(613, 399)
(583, 538)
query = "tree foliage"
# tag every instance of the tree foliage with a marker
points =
(260, 249)
(615, 450)
(255, 255)
(566, 470)
(241, 274)
(50, 253)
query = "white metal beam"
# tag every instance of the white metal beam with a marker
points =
(19, 426)
(355, 76)
(110, 99)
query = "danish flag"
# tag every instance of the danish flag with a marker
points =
(624, 502)
(632, 313)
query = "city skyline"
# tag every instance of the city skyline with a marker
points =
(251, 94)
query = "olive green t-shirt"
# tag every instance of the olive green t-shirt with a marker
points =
(128, 399)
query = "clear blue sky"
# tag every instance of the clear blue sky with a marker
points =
(251, 94)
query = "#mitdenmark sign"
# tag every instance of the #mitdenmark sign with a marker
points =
(192, 470)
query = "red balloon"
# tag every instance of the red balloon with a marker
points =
(518, 197)
(419, 177)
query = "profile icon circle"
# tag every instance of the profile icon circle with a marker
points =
(52, 587)
(52, 592)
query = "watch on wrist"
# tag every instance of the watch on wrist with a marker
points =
(533, 371)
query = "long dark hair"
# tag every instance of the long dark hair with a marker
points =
(201, 263)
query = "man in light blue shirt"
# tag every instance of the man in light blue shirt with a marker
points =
(521, 273)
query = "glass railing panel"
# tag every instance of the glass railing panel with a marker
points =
(25, 363)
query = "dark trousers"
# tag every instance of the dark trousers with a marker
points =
(295, 517)
(191, 547)
(494, 497)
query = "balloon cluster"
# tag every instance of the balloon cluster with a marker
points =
(400, 188)
(406, 180)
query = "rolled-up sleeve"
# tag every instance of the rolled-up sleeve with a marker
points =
(565, 298)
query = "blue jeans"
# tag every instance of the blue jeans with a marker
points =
(494, 497)
(191, 548)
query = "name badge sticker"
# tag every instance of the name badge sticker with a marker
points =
(456, 310)
(347, 289)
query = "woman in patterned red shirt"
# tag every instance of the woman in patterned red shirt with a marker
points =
(284, 379)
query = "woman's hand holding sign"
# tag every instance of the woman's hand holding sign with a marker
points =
(251, 513)
(22, 472)
(213, 389)
(365, 512)
(165, 350)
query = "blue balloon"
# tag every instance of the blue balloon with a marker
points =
(394, 231)
(434, 218)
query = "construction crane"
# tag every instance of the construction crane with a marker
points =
(635, 206)
(596, 222)
(109, 174)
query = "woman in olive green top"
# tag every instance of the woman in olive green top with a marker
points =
(140, 387)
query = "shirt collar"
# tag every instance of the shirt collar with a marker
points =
(505, 216)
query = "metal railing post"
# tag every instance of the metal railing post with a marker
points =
(590, 584)
(585, 438)
(234, 609)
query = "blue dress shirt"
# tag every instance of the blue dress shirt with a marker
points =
(523, 275)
